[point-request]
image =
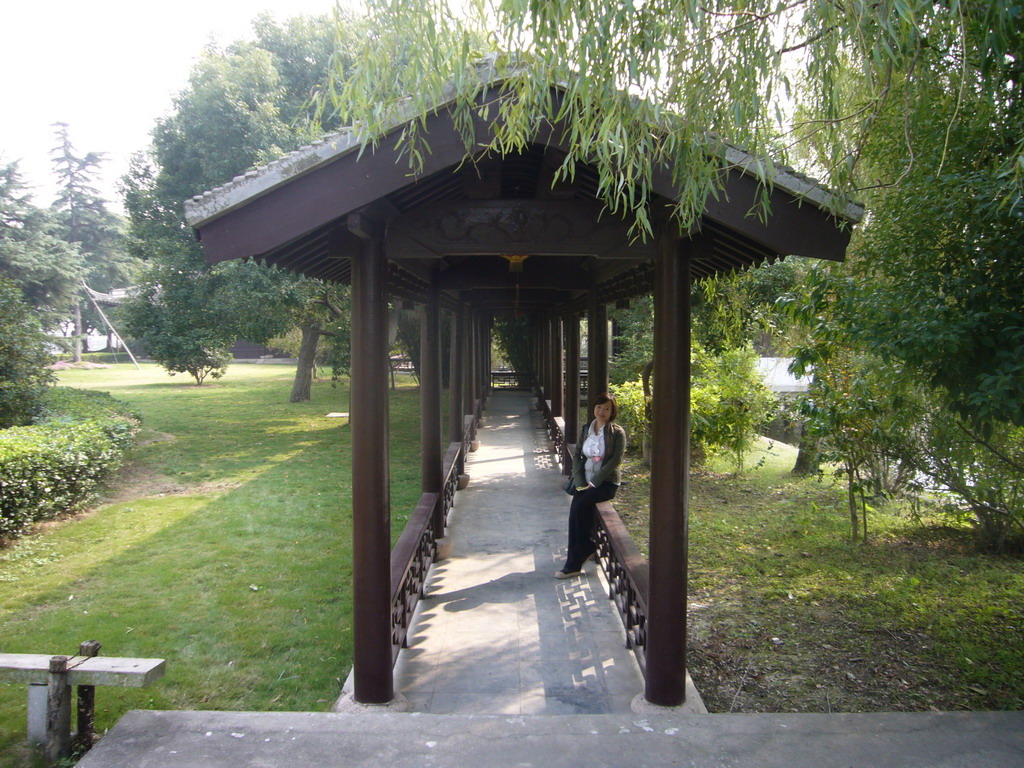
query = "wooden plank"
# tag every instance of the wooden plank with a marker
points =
(95, 670)
(24, 667)
(110, 670)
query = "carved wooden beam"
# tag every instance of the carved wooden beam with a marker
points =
(534, 227)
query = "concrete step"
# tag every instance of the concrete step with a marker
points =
(150, 739)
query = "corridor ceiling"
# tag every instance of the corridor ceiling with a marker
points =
(474, 221)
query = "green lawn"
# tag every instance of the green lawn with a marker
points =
(228, 553)
(787, 615)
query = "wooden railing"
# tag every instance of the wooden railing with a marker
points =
(555, 427)
(453, 467)
(628, 578)
(416, 548)
(410, 563)
(509, 380)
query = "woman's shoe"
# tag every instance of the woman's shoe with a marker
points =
(567, 574)
(591, 556)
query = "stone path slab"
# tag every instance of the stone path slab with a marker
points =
(144, 739)
(496, 632)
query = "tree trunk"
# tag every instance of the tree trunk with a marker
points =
(307, 360)
(851, 501)
(76, 341)
(807, 456)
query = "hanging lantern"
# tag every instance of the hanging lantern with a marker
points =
(515, 261)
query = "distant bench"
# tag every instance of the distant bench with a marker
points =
(49, 696)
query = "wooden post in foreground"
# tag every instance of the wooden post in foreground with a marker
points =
(87, 700)
(670, 468)
(371, 501)
(58, 711)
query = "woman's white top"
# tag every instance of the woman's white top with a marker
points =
(593, 449)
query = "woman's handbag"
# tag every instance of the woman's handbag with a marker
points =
(570, 487)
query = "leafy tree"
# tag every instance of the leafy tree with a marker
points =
(710, 74)
(84, 220)
(736, 309)
(937, 284)
(23, 358)
(322, 310)
(236, 298)
(243, 106)
(633, 340)
(512, 338)
(32, 254)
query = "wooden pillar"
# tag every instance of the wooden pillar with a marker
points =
(481, 357)
(371, 503)
(488, 325)
(456, 378)
(572, 378)
(557, 370)
(485, 354)
(468, 364)
(538, 352)
(431, 469)
(597, 346)
(542, 355)
(670, 468)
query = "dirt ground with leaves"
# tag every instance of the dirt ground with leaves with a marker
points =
(786, 615)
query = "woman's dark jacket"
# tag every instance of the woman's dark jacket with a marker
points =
(614, 448)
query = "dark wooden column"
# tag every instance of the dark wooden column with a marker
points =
(597, 346)
(485, 341)
(483, 374)
(557, 369)
(542, 356)
(572, 377)
(538, 351)
(469, 362)
(488, 361)
(670, 469)
(371, 502)
(431, 469)
(456, 377)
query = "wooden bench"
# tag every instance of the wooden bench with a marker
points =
(50, 679)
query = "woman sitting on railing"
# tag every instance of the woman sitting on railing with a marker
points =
(595, 472)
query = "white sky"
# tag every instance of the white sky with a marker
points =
(108, 68)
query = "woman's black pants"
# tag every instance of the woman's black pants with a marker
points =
(581, 523)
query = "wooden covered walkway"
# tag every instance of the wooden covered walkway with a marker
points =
(495, 633)
(489, 237)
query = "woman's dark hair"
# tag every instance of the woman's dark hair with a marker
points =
(603, 398)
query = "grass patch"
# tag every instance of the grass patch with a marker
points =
(224, 546)
(787, 616)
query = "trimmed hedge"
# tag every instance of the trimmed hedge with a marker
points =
(56, 465)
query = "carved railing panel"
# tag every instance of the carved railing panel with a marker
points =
(509, 380)
(410, 563)
(558, 438)
(628, 578)
(417, 546)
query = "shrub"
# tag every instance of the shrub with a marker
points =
(634, 411)
(23, 358)
(728, 404)
(55, 465)
(979, 476)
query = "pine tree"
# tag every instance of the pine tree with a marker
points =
(85, 220)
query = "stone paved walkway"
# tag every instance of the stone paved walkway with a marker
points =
(497, 633)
